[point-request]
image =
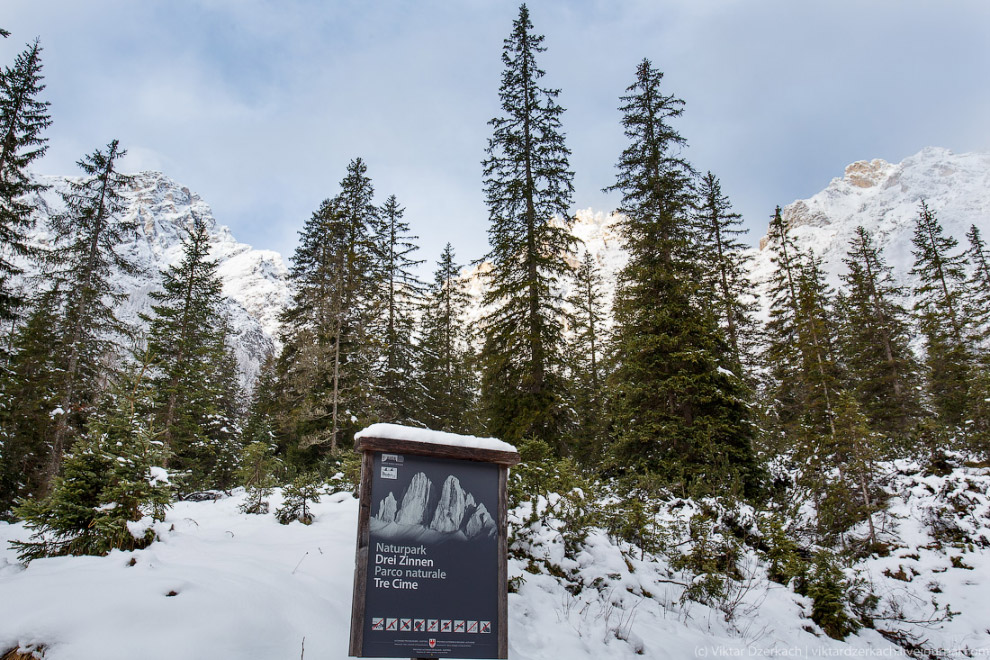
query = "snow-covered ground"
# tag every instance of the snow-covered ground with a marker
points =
(223, 584)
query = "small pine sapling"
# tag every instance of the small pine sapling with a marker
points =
(111, 480)
(304, 490)
(827, 587)
(784, 562)
(257, 474)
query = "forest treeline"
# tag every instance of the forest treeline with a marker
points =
(675, 389)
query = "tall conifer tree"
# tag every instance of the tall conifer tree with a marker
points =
(875, 334)
(88, 236)
(820, 364)
(186, 344)
(781, 356)
(528, 187)
(978, 307)
(677, 409)
(399, 390)
(587, 360)
(804, 378)
(23, 117)
(326, 367)
(805, 385)
(448, 378)
(28, 394)
(978, 313)
(939, 306)
(725, 262)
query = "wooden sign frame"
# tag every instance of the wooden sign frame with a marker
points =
(368, 447)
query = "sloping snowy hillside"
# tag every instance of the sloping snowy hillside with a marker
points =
(223, 584)
(254, 281)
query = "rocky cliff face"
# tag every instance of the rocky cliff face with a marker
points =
(479, 522)
(254, 281)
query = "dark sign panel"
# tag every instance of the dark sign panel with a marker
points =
(432, 575)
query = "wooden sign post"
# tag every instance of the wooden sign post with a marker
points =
(430, 577)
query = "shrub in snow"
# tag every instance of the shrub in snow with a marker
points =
(111, 480)
(827, 587)
(633, 516)
(256, 474)
(303, 491)
(784, 563)
(344, 471)
(713, 557)
(548, 493)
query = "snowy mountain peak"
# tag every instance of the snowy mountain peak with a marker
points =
(884, 199)
(254, 281)
(866, 174)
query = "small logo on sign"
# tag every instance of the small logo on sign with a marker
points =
(391, 624)
(432, 625)
(392, 458)
(419, 625)
(377, 623)
(458, 626)
(445, 625)
(405, 624)
(472, 626)
(486, 626)
(390, 472)
(433, 642)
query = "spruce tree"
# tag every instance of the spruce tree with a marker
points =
(978, 284)
(326, 369)
(256, 473)
(804, 378)
(28, 395)
(23, 117)
(978, 313)
(858, 451)
(821, 376)
(803, 372)
(88, 236)
(725, 268)
(781, 357)
(875, 334)
(939, 301)
(190, 362)
(227, 405)
(399, 390)
(262, 415)
(587, 360)
(528, 189)
(677, 409)
(448, 378)
(298, 496)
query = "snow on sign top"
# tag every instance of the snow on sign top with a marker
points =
(427, 436)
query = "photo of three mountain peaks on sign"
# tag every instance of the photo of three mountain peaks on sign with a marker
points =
(424, 501)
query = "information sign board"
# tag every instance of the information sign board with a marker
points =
(431, 560)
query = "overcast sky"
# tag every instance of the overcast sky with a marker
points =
(259, 105)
